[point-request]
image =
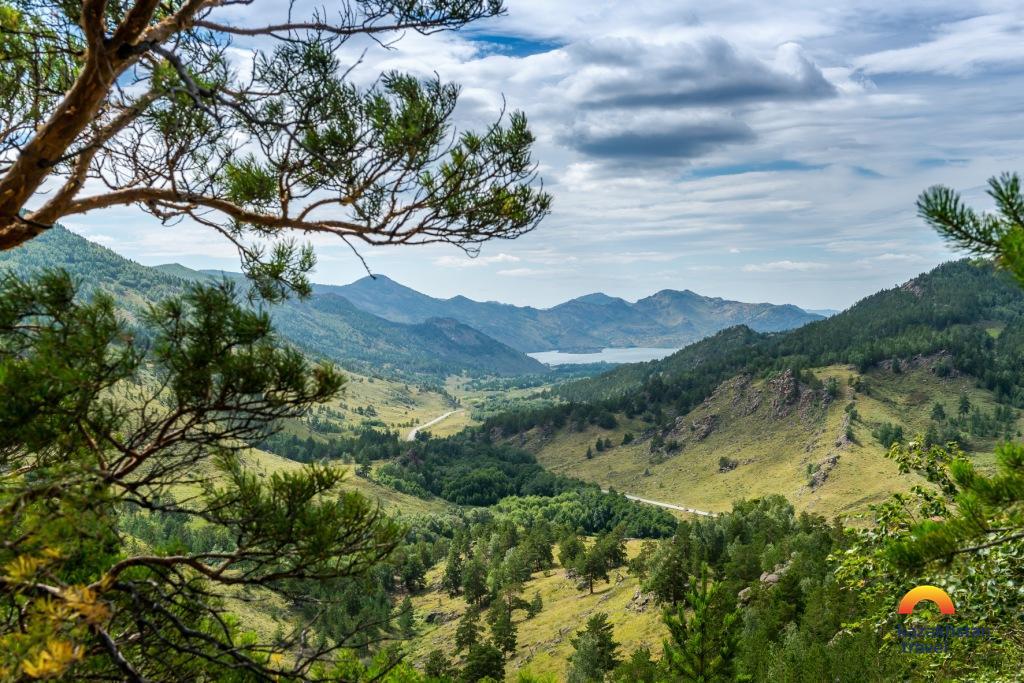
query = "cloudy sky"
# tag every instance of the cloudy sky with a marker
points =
(749, 150)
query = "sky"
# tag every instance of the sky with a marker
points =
(749, 150)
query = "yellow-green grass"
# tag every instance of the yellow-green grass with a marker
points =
(544, 641)
(396, 404)
(773, 452)
(390, 500)
(452, 424)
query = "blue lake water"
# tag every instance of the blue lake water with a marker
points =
(631, 355)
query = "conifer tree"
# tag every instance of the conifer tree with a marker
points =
(536, 606)
(451, 581)
(668, 571)
(406, 617)
(137, 103)
(468, 631)
(483, 661)
(964, 406)
(570, 548)
(639, 668)
(99, 421)
(474, 580)
(592, 565)
(703, 634)
(595, 650)
(503, 630)
(438, 666)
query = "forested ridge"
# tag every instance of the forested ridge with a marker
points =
(954, 309)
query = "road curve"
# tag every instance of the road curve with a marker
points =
(411, 436)
(667, 506)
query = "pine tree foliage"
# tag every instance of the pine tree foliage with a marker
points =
(151, 101)
(595, 652)
(702, 640)
(97, 421)
(997, 235)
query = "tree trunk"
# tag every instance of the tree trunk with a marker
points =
(36, 160)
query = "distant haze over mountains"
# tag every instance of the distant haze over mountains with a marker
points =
(326, 324)
(379, 325)
(668, 318)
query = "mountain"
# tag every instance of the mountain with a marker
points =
(590, 322)
(326, 324)
(963, 308)
(809, 413)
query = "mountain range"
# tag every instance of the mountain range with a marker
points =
(376, 324)
(325, 325)
(667, 319)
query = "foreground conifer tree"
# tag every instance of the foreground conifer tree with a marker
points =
(99, 421)
(144, 103)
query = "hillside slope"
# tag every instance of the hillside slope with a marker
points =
(544, 641)
(808, 413)
(955, 308)
(325, 325)
(594, 321)
(752, 438)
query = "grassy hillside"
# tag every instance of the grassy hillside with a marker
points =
(775, 436)
(543, 641)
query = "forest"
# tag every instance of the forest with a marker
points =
(205, 475)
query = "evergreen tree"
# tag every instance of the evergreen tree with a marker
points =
(964, 405)
(484, 661)
(590, 453)
(537, 545)
(584, 662)
(668, 571)
(595, 650)
(406, 618)
(938, 412)
(381, 165)
(503, 630)
(999, 236)
(536, 605)
(613, 547)
(570, 548)
(703, 635)
(451, 580)
(639, 668)
(592, 565)
(474, 580)
(468, 631)
(97, 422)
(438, 666)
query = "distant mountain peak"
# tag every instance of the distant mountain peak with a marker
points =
(599, 298)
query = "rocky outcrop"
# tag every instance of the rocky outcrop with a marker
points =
(825, 467)
(702, 428)
(640, 601)
(440, 617)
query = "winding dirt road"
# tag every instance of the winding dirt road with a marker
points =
(411, 436)
(667, 506)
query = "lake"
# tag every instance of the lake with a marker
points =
(635, 354)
